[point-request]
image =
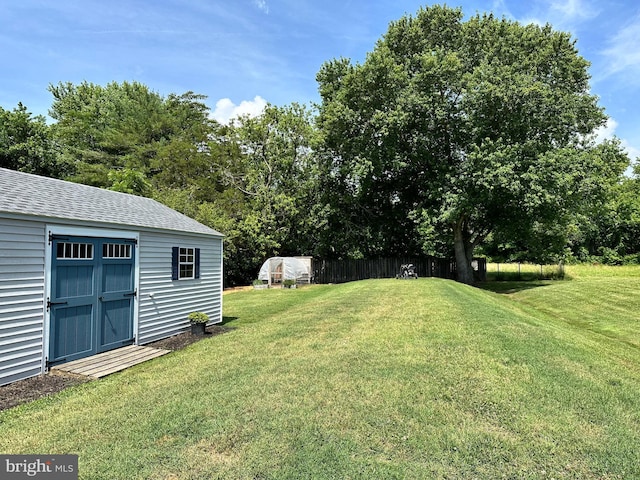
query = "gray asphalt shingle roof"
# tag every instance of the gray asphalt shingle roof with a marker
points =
(26, 194)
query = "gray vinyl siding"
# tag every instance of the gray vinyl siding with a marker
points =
(23, 248)
(22, 287)
(165, 312)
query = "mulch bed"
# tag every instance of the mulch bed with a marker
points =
(30, 389)
(178, 342)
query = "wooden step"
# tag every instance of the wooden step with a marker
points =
(102, 364)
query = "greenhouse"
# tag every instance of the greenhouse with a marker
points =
(276, 270)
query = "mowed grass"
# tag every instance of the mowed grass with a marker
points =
(372, 379)
(523, 272)
(599, 298)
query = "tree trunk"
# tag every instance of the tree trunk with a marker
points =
(464, 254)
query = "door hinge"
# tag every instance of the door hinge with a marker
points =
(133, 294)
(53, 237)
(50, 303)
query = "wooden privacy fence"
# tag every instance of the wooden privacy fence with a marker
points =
(340, 271)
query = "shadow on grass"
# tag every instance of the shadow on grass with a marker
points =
(507, 287)
(226, 319)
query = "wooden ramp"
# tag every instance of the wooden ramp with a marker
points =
(113, 361)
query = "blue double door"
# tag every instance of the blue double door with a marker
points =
(92, 296)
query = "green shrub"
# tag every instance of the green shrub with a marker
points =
(198, 317)
(610, 256)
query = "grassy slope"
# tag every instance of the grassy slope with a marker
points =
(604, 300)
(374, 379)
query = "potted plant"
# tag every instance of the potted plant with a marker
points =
(289, 283)
(259, 284)
(198, 322)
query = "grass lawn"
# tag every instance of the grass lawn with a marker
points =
(375, 379)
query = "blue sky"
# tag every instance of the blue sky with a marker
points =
(243, 53)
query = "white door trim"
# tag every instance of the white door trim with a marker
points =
(52, 229)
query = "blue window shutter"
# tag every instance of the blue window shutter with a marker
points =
(197, 259)
(174, 263)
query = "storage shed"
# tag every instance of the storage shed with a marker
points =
(85, 270)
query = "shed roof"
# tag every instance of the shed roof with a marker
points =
(27, 194)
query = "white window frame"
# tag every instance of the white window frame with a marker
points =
(116, 251)
(75, 251)
(188, 252)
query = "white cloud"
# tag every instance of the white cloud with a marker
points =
(567, 15)
(574, 9)
(623, 53)
(262, 5)
(226, 110)
(500, 9)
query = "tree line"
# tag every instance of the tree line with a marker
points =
(453, 138)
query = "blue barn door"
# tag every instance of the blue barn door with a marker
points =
(91, 296)
(116, 294)
(73, 299)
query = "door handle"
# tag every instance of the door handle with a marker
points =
(130, 294)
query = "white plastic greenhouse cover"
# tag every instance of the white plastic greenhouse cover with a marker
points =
(292, 268)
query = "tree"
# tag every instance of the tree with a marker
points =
(579, 216)
(469, 128)
(627, 206)
(264, 188)
(129, 181)
(125, 126)
(26, 144)
(611, 234)
(269, 163)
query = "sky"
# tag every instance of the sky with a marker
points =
(242, 54)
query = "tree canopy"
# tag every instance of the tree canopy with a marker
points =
(469, 128)
(26, 144)
(126, 126)
(452, 137)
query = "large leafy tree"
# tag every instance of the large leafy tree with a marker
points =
(251, 179)
(612, 233)
(582, 216)
(267, 162)
(127, 128)
(460, 129)
(26, 144)
(627, 207)
(264, 195)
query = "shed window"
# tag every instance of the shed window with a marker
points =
(116, 250)
(74, 251)
(185, 263)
